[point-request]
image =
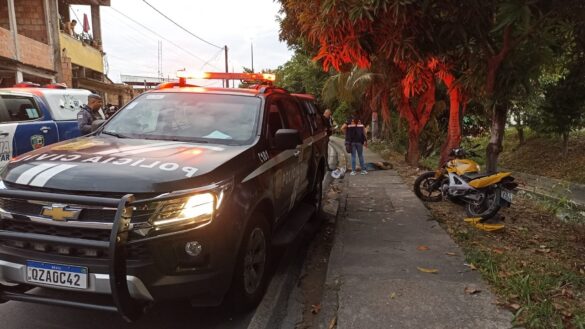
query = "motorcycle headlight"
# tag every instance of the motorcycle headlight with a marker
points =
(195, 209)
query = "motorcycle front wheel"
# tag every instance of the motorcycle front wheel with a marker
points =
(425, 189)
(487, 206)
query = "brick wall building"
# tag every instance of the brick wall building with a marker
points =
(26, 41)
(32, 47)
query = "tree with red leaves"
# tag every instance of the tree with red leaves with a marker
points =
(382, 39)
(478, 39)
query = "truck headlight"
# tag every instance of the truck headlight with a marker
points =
(196, 209)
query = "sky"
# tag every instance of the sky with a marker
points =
(133, 50)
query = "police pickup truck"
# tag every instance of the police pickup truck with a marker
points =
(180, 195)
(32, 117)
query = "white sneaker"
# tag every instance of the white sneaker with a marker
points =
(353, 173)
(364, 172)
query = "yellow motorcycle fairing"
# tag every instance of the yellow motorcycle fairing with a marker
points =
(488, 180)
(462, 166)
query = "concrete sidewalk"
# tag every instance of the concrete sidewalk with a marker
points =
(373, 278)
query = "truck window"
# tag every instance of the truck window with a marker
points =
(275, 122)
(18, 108)
(293, 115)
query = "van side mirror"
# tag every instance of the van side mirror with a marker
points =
(286, 139)
(96, 124)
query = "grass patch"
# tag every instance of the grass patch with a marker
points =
(536, 289)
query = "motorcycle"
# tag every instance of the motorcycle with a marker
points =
(460, 181)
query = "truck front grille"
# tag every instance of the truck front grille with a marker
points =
(26, 208)
(135, 252)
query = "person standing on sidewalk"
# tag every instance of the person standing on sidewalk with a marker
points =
(328, 119)
(355, 135)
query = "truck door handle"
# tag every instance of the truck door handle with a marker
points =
(45, 129)
(3, 134)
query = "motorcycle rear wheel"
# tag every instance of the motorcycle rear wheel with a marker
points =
(488, 207)
(422, 188)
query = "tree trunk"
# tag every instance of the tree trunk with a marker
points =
(454, 131)
(521, 139)
(498, 129)
(565, 145)
(500, 112)
(413, 154)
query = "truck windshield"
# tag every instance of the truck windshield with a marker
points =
(189, 117)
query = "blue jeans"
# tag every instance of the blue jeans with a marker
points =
(357, 149)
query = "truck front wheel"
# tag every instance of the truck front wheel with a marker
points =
(251, 271)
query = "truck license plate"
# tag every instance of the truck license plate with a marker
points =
(56, 275)
(507, 195)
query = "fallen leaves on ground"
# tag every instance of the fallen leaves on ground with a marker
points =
(422, 248)
(393, 295)
(499, 251)
(515, 306)
(332, 323)
(472, 290)
(315, 308)
(428, 270)
(535, 243)
(471, 266)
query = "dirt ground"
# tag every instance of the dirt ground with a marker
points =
(535, 265)
(542, 156)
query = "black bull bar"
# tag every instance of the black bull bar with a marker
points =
(122, 302)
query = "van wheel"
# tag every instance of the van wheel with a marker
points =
(251, 272)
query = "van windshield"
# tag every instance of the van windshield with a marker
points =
(190, 117)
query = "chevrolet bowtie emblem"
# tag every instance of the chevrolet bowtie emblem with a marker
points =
(60, 212)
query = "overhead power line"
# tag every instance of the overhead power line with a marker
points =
(138, 43)
(181, 27)
(212, 59)
(157, 34)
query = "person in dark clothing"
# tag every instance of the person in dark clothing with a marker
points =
(328, 119)
(355, 135)
(89, 113)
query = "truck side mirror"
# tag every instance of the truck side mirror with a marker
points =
(286, 139)
(96, 124)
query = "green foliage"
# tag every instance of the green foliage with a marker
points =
(579, 320)
(348, 87)
(563, 110)
(341, 113)
(301, 75)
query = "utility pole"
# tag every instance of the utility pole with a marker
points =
(160, 71)
(227, 70)
(252, 53)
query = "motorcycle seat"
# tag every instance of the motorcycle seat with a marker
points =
(474, 175)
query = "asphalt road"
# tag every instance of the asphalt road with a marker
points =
(17, 315)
